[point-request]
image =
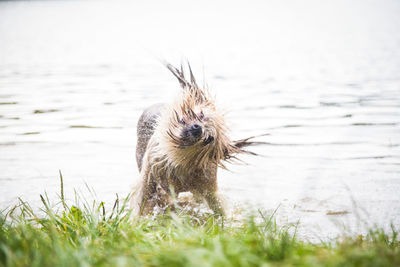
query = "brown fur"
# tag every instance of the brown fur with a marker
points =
(168, 163)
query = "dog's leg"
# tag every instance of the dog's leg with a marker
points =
(146, 200)
(215, 203)
(153, 194)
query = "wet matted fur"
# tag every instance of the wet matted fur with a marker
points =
(180, 147)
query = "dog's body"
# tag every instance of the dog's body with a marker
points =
(198, 181)
(180, 147)
(145, 128)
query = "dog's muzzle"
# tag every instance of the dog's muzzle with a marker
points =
(196, 130)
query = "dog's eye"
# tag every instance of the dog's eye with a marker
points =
(181, 121)
(201, 116)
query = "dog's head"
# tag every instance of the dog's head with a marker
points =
(195, 121)
(194, 130)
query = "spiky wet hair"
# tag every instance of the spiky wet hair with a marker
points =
(196, 104)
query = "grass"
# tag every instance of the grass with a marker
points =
(87, 234)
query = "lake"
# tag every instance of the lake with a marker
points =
(322, 78)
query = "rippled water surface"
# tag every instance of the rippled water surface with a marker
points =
(323, 79)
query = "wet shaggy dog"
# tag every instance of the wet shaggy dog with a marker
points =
(180, 147)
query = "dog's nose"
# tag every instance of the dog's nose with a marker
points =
(196, 126)
(195, 130)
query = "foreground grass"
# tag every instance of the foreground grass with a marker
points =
(86, 235)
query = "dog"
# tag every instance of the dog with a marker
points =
(180, 147)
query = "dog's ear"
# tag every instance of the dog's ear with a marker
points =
(192, 79)
(198, 94)
(179, 74)
(238, 146)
